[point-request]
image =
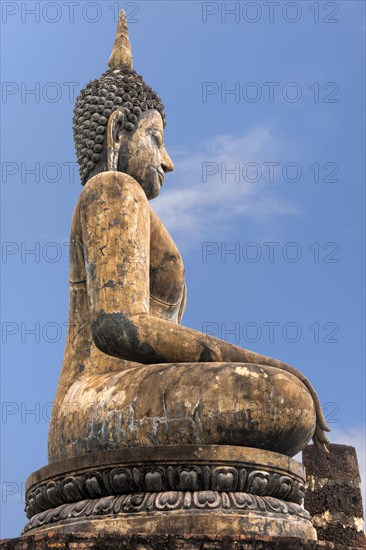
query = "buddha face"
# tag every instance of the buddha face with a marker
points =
(143, 155)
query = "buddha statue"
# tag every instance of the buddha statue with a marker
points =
(133, 375)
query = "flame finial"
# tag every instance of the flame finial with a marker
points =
(121, 53)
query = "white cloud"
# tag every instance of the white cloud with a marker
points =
(191, 207)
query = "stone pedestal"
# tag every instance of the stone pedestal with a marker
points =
(333, 495)
(180, 491)
(163, 542)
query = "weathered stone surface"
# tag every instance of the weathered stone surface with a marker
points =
(207, 403)
(132, 374)
(334, 495)
(176, 490)
(163, 542)
(175, 513)
(186, 468)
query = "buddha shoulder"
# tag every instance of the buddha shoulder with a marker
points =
(113, 190)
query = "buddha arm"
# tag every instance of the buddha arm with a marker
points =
(115, 221)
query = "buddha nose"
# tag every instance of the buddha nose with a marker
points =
(166, 162)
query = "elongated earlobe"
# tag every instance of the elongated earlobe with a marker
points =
(114, 130)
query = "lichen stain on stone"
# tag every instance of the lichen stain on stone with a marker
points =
(114, 222)
(108, 284)
(245, 371)
(90, 269)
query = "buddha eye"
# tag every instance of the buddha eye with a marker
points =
(156, 138)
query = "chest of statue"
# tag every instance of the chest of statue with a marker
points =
(166, 272)
(167, 283)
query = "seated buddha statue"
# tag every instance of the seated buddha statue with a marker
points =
(133, 375)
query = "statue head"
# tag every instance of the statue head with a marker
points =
(119, 123)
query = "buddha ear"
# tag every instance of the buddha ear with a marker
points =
(114, 134)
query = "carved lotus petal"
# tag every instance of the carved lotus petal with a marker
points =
(52, 494)
(243, 500)
(121, 482)
(223, 481)
(93, 487)
(169, 500)
(57, 513)
(188, 481)
(40, 498)
(79, 508)
(153, 481)
(104, 505)
(136, 501)
(258, 482)
(285, 487)
(275, 505)
(31, 507)
(206, 499)
(72, 490)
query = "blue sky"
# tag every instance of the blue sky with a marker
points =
(273, 171)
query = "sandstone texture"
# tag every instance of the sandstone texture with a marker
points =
(164, 542)
(333, 495)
